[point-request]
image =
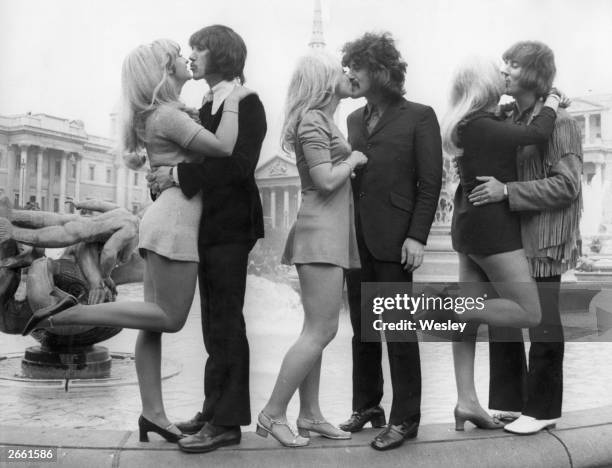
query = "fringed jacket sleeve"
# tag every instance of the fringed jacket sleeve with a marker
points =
(563, 166)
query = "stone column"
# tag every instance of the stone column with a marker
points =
(587, 129)
(286, 208)
(10, 175)
(23, 172)
(77, 179)
(62, 198)
(39, 176)
(273, 206)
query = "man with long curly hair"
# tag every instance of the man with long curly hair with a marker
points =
(396, 195)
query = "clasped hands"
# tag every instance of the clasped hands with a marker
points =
(159, 179)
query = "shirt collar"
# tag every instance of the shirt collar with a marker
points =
(218, 94)
(518, 116)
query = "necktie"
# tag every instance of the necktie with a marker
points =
(373, 118)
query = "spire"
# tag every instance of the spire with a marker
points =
(317, 41)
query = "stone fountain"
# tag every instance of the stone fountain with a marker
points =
(68, 352)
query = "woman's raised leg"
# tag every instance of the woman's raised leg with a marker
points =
(165, 311)
(518, 304)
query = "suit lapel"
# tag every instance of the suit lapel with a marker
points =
(390, 113)
(362, 123)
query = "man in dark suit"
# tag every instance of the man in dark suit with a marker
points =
(396, 196)
(232, 220)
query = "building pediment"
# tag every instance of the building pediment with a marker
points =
(277, 167)
(588, 104)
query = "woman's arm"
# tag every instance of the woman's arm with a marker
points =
(496, 133)
(314, 135)
(327, 177)
(181, 129)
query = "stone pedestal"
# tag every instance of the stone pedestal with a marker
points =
(440, 263)
(91, 362)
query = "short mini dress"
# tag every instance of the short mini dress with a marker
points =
(324, 231)
(489, 148)
(170, 225)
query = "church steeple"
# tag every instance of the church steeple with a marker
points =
(317, 41)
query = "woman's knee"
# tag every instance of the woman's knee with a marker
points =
(534, 317)
(321, 336)
(174, 324)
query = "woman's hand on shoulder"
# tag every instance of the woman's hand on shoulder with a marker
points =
(240, 92)
(564, 101)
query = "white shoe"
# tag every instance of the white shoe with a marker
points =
(526, 425)
(504, 415)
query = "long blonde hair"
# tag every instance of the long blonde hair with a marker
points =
(312, 86)
(145, 85)
(477, 84)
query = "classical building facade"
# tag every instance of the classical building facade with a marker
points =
(46, 159)
(594, 115)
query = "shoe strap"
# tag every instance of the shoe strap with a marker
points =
(314, 422)
(278, 422)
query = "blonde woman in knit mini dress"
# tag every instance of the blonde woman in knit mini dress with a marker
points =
(154, 119)
(322, 243)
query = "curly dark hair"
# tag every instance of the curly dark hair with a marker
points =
(537, 62)
(378, 54)
(227, 50)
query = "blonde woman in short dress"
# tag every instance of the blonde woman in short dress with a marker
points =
(322, 243)
(153, 118)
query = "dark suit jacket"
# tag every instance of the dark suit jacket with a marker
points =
(396, 193)
(231, 205)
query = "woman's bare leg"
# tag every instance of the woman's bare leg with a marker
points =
(321, 296)
(173, 286)
(309, 393)
(148, 364)
(464, 351)
(518, 304)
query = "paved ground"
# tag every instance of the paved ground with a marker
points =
(581, 440)
(274, 317)
(93, 426)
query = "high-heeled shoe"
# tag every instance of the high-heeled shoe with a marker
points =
(65, 302)
(321, 427)
(145, 426)
(480, 421)
(265, 426)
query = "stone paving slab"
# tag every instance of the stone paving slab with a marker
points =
(582, 439)
(588, 446)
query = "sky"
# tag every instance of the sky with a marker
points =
(63, 57)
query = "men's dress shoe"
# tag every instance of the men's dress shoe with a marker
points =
(503, 415)
(374, 415)
(193, 425)
(210, 438)
(394, 436)
(526, 425)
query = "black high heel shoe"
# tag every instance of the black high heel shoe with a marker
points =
(65, 302)
(145, 426)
